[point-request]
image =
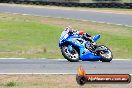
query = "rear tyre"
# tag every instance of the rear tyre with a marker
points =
(106, 55)
(70, 56)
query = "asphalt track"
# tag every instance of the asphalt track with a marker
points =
(62, 66)
(120, 19)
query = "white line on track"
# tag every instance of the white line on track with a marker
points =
(38, 73)
(122, 59)
(13, 58)
(54, 59)
(42, 73)
(69, 18)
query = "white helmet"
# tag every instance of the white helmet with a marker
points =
(68, 28)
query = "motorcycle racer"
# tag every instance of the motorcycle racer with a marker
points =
(85, 36)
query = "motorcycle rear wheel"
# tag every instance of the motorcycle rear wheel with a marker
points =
(70, 56)
(106, 56)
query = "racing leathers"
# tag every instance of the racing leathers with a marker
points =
(85, 36)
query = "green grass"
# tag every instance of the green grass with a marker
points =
(28, 39)
(37, 37)
(10, 84)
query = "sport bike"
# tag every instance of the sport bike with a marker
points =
(74, 48)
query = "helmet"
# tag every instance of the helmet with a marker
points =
(68, 28)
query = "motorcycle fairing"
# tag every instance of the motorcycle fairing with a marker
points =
(83, 56)
(89, 56)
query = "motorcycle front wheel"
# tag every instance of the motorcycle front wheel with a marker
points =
(72, 56)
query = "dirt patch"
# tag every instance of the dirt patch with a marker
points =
(88, 26)
(79, 25)
(52, 81)
(40, 81)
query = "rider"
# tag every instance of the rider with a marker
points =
(85, 36)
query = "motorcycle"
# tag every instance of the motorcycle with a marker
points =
(74, 48)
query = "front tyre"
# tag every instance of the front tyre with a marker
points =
(106, 54)
(71, 56)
